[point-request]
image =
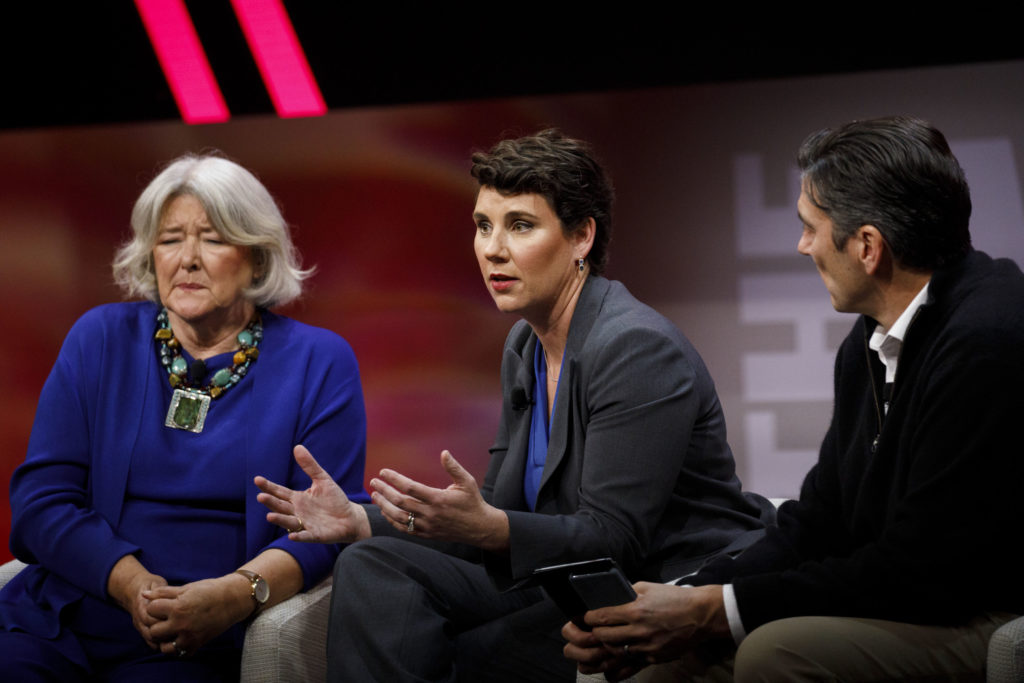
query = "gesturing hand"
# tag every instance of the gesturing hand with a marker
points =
(322, 513)
(456, 513)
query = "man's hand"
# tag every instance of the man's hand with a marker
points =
(662, 623)
(594, 657)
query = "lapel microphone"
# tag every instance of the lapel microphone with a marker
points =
(197, 371)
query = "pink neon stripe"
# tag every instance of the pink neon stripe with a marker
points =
(280, 58)
(184, 63)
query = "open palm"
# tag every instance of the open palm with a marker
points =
(320, 514)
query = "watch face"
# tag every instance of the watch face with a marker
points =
(261, 591)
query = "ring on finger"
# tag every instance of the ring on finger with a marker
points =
(410, 524)
(300, 527)
(181, 652)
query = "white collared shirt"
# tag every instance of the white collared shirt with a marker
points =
(888, 343)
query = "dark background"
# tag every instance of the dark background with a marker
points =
(379, 197)
(85, 63)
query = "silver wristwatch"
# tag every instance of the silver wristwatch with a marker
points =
(260, 589)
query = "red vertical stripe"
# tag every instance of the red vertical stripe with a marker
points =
(280, 58)
(184, 63)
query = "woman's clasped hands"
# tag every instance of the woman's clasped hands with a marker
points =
(128, 583)
(186, 617)
(178, 620)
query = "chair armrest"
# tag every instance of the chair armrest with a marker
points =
(8, 570)
(1006, 653)
(288, 642)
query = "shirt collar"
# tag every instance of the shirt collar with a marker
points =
(888, 343)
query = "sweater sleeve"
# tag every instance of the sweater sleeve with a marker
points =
(333, 427)
(809, 528)
(53, 520)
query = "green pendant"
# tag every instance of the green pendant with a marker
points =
(187, 411)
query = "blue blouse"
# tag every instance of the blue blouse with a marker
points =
(540, 428)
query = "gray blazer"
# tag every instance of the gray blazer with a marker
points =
(638, 468)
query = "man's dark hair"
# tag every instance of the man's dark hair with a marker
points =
(897, 174)
(562, 170)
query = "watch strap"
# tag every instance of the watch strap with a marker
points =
(254, 582)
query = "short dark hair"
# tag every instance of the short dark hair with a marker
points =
(897, 174)
(562, 170)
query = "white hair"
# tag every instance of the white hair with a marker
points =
(239, 208)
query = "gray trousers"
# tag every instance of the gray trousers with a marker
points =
(405, 612)
(843, 649)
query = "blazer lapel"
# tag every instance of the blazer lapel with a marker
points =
(508, 487)
(587, 308)
(560, 421)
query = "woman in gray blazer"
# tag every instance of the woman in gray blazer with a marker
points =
(611, 444)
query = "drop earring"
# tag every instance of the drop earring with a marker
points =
(580, 263)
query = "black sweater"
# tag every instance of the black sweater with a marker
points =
(922, 525)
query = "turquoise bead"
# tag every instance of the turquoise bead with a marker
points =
(245, 338)
(179, 366)
(222, 377)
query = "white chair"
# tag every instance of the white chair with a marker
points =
(1006, 653)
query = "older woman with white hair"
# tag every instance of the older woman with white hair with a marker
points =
(135, 505)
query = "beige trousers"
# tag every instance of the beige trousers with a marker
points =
(842, 649)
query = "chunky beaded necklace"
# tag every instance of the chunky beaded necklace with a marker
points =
(190, 404)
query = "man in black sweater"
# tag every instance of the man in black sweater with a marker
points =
(892, 564)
